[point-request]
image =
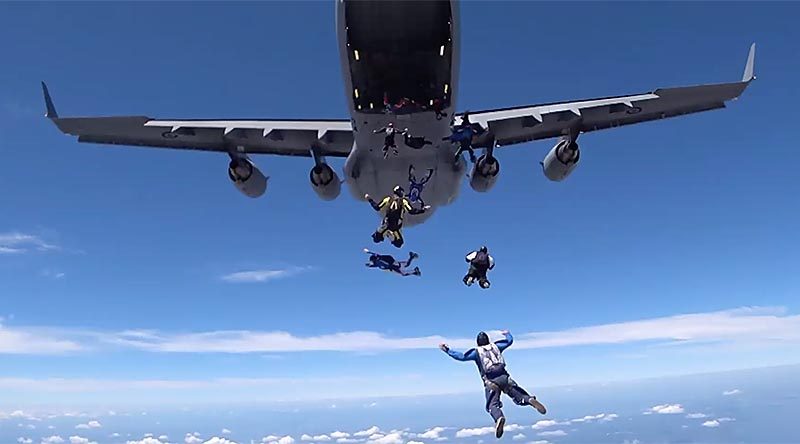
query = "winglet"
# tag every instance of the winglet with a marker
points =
(749, 74)
(48, 101)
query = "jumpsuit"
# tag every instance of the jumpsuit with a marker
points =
(479, 264)
(389, 263)
(388, 141)
(415, 187)
(395, 208)
(492, 367)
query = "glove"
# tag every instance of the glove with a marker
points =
(444, 347)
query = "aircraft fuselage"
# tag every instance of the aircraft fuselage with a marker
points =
(400, 64)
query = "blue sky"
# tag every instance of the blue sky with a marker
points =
(670, 250)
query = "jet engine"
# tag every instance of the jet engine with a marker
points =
(561, 160)
(325, 182)
(484, 173)
(246, 177)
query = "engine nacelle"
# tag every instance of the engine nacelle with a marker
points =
(484, 174)
(325, 182)
(247, 178)
(561, 160)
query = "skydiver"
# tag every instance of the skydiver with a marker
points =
(394, 207)
(388, 141)
(389, 263)
(492, 367)
(415, 142)
(463, 134)
(438, 104)
(415, 187)
(480, 262)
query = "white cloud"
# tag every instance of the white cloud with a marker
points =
(432, 433)
(666, 409)
(415, 442)
(218, 440)
(468, 433)
(320, 438)
(541, 441)
(21, 440)
(712, 423)
(163, 438)
(369, 432)
(262, 275)
(725, 419)
(731, 392)
(337, 435)
(17, 243)
(392, 438)
(80, 440)
(192, 438)
(53, 274)
(597, 417)
(696, 415)
(742, 325)
(347, 440)
(55, 439)
(553, 433)
(89, 425)
(545, 423)
(148, 440)
(20, 414)
(277, 440)
(226, 432)
(519, 437)
(35, 342)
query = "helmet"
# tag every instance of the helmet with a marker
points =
(483, 339)
(484, 249)
(398, 190)
(390, 124)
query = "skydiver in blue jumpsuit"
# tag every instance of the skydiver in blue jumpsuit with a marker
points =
(463, 134)
(492, 367)
(389, 263)
(415, 186)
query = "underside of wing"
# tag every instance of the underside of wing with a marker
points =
(280, 137)
(522, 124)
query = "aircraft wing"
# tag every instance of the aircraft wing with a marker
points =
(281, 137)
(522, 124)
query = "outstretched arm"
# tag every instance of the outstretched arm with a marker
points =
(380, 130)
(428, 177)
(412, 210)
(377, 206)
(506, 341)
(470, 355)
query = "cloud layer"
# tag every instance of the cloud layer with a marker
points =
(743, 325)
